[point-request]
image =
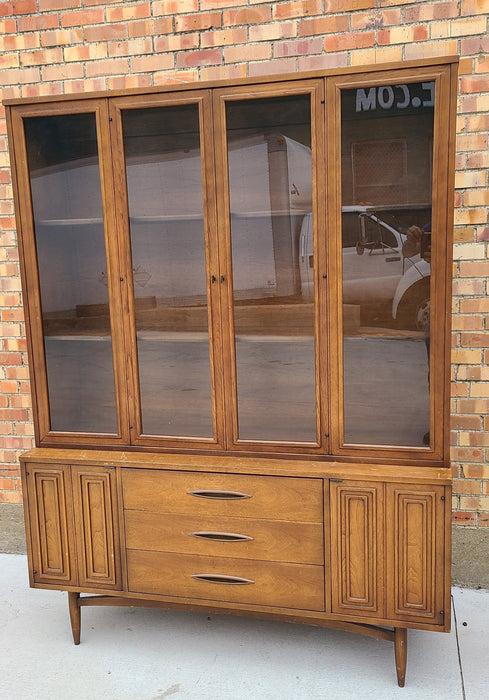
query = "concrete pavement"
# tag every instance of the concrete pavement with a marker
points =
(148, 654)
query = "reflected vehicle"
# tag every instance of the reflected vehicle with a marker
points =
(376, 275)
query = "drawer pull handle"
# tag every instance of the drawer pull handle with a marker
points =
(222, 578)
(220, 536)
(219, 494)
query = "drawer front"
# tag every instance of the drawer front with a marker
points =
(246, 538)
(227, 580)
(264, 497)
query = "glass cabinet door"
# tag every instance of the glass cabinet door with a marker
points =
(392, 238)
(266, 218)
(252, 268)
(68, 227)
(166, 192)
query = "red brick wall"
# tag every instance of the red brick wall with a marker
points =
(65, 46)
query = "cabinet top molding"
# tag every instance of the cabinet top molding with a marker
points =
(241, 465)
(252, 80)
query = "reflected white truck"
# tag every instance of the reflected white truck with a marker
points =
(375, 272)
(270, 186)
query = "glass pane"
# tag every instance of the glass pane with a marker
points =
(387, 140)
(69, 231)
(164, 181)
(270, 180)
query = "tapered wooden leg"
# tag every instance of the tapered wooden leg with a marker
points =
(75, 616)
(400, 646)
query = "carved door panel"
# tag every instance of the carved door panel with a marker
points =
(51, 524)
(96, 525)
(415, 541)
(356, 548)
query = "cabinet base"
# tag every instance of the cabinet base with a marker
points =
(397, 635)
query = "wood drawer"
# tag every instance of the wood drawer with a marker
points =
(285, 541)
(297, 586)
(201, 493)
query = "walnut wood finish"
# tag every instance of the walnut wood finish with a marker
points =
(224, 494)
(281, 540)
(416, 517)
(400, 646)
(268, 583)
(75, 616)
(280, 575)
(357, 547)
(315, 90)
(415, 546)
(442, 218)
(97, 527)
(324, 92)
(353, 537)
(50, 508)
(31, 281)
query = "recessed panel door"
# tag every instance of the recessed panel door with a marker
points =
(356, 548)
(94, 492)
(415, 543)
(49, 502)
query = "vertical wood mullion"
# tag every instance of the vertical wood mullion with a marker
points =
(320, 231)
(230, 401)
(127, 320)
(440, 288)
(334, 262)
(115, 274)
(211, 228)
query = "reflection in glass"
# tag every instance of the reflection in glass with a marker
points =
(387, 136)
(164, 181)
(270, 182)
(69, 231)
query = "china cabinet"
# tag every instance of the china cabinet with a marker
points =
(237, 302)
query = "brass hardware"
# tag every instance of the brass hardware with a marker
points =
(222, 578)
(220, 536)
(218, 494)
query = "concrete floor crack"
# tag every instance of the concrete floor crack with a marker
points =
(464, 697)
